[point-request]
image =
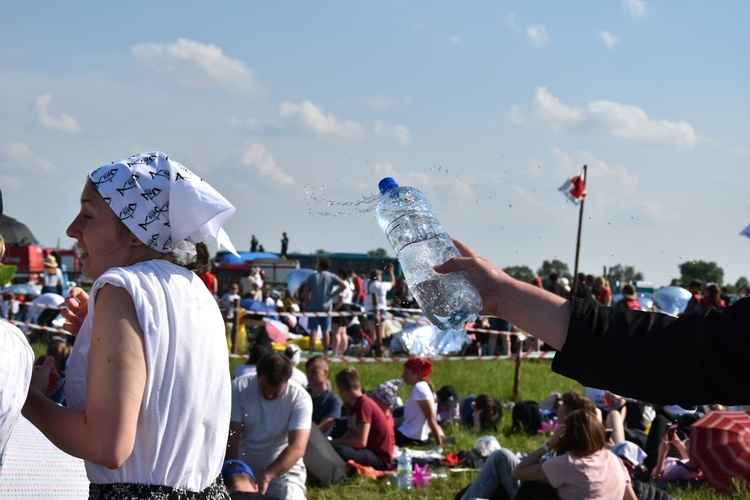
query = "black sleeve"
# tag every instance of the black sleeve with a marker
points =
(698, 358)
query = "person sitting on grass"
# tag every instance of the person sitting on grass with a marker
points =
(495, 480)
(370, 440)
(240, 481)
(387, 398)
(583, 467)
(326, 405)
(683, 471)
(448, 413)
(419, 421)
(270, 427)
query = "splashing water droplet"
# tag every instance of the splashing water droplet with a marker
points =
(365, 205)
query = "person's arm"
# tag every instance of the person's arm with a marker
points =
(104, 432)
(233, 442)
(643, 355)
(391, 274)
(680, 445)
(325, 424)
(358, 439)
(542, 314)
(286, 460)
(659, 467)
(332, 411)
(429, 414)
(629, 493)
(530, 468)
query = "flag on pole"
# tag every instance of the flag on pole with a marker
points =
(574, 188)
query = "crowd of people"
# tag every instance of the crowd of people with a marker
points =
(152, 411)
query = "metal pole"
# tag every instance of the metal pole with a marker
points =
(578, 240)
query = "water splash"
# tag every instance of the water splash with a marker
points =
(317, 197)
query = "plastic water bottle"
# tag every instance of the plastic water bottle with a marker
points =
(404, 471)
(420, 242)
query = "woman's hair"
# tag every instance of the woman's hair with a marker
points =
(713, 294)
(491, 414)
(59, 349)
(202, 262)
(584, 434)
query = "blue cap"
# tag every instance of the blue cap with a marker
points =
(235, 467)
(387, 184)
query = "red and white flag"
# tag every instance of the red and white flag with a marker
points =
(574, 188)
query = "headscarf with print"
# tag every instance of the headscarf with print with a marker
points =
(163, 203)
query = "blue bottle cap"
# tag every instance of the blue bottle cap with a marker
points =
(387, 184)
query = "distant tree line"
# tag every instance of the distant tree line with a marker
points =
(708, 272)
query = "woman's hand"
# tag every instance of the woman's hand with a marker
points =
(556, 436)
(45, 379)
(76, 309)
(481, 272)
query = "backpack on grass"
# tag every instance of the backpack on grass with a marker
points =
(526, 417)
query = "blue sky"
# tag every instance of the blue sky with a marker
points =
(295, 110)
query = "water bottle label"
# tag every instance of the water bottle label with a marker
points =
(409, 229)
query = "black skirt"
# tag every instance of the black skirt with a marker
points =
(132, 491)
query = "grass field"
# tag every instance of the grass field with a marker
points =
(471, 377)
(468, 377)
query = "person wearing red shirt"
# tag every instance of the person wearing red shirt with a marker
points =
(370, 439)
(209, 279)
(358, 296)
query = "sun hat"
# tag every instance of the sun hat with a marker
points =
(163, 203)
(236, 467)
(630, 452)
(50, 261)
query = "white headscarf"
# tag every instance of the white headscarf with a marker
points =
(162, 202)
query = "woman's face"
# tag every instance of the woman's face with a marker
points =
(101, 237)
(410, 377)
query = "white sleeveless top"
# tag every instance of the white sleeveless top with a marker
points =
(183, 424)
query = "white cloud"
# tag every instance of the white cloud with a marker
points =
(631, 122)
(537, 34)
(197, 64)
(257, 156)
(455, 40)
(398, 133)
(619, 120)
(20, 156)
(608, 38)
(549, 109)
(635, 8)
(63, 123)
(310, 117)
(604, 179)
